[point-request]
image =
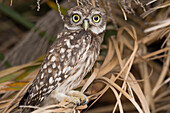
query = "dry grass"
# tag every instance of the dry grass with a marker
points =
(129, 71)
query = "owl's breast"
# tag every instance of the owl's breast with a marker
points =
(80, 55)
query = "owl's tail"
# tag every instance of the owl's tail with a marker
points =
(23, 102)
(25, 110)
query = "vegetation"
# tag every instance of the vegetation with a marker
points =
(131, 74)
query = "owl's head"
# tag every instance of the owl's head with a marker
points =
(86, 18)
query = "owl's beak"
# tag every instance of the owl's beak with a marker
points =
(85, 24)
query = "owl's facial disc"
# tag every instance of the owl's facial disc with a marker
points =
(86, 18)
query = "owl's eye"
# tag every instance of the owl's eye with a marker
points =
(96, 18)
(76, 18)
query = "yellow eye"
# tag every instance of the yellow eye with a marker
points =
(76, 18)
(96, 18)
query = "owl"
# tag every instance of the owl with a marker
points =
(69, 59)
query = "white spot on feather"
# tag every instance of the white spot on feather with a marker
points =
(44, 89)
(59, 67)
(69, 68)
(58, 79)
(65, 76)
(59, 72)
(42, 98)
(73, 60)
(42, 75)
(55, 75)
(48, 63)
(41, 83)
(51, 50)
(36, 87)
(68, 50)
(54, 65)
(51, 80)
(64, 69)
(71, 37)
(68, 43)
(77, 46)
(62, 57)
(49, 70)
(53, 58)
(69, 55)
(62, 50)
(44, 66)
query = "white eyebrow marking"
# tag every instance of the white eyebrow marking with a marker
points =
(95, 13)
(78, 12)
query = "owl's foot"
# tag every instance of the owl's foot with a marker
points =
(80, 96)
(72, 96)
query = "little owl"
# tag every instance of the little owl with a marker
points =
(69, 59)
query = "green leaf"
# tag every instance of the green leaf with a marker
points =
(54, 6)
(20, 77)
(7, 78)
(6, 63)
(17, 17)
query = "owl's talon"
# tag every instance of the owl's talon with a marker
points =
(73, 100)
(82, 98)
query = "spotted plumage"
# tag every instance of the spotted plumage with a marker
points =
(71, 56)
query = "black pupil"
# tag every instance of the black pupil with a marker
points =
(96, 18)
(76, 17)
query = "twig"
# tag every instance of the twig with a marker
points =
(38, 5)
(78, 2)
(11, 2)
(93, 3)
(58, 5)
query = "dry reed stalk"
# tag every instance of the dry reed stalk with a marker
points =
(127, 51)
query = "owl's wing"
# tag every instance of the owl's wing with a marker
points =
(58, 65)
